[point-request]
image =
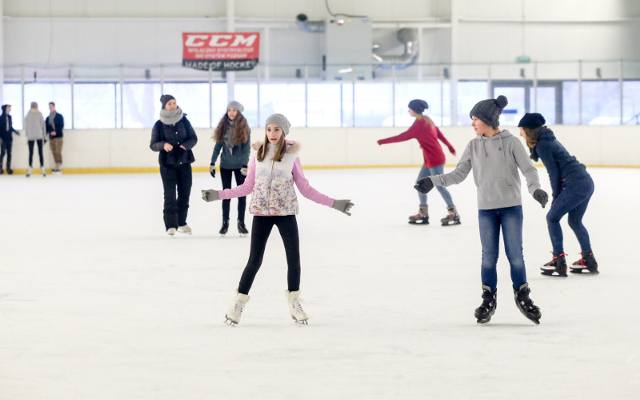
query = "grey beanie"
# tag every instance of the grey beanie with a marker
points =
(164, 99)
(236, 105)
(279, 120)
(488, 111)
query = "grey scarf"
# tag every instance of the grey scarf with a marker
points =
(52, 117)
(171, 117)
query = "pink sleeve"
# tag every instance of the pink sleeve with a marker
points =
(306, 189)
(246, 188)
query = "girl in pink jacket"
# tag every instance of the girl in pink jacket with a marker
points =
(271, 174)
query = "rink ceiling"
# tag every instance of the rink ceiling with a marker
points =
(96, 302)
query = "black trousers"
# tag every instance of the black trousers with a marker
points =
(260, 231)
(6, 148)
(225, 176)
(40, 155)
(175, 208)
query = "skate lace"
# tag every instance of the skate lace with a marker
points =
(297, 306)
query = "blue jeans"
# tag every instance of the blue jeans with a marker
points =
(437, 170)
(573, 199)
(510, 219)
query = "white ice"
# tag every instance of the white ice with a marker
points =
(96, 302)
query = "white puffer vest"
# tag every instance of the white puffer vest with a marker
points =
(273, 193)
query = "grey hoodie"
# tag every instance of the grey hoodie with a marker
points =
(495, 162)
(34, 125)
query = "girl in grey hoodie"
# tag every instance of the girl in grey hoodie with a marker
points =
(495, 156)
(36, 133)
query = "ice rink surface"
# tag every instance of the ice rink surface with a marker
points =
(96, 302)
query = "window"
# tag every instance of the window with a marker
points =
(347, 104)
(631, 103)
(323, 108)
(141, 104)
(469, 93)
(601, 102)
(11, 94)
(373, 104)
(94, 105)
(283, 98)
(247, 94)
(193, 98)
(43, 93)
(219, 100)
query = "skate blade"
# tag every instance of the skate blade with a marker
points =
(230, 322)
(584, 271)
(451, 224)
(300, 322)
(552, 273)
(420, 222)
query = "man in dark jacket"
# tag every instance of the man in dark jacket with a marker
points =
(55, 129)
(174, 137)
(6, 137)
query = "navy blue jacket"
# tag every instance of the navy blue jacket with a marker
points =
(6, 128)
(556, 159)
(58, 122)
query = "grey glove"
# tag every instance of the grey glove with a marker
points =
(210, 195)
(244, 170)
(344, 206)
(541, 197)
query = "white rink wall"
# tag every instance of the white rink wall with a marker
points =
(128, 149)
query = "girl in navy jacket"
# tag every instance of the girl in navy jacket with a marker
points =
(572, 188)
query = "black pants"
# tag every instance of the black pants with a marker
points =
(175, 209)
(7, 145)
(40, 155)
(260, 230)
(225, 176)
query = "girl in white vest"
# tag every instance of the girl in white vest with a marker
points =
(271, 175)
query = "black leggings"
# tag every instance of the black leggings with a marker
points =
(6, 147)
(175, 208)
(40, 156)
(260, 230)
(225, 176)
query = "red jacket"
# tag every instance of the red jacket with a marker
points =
(427, 135)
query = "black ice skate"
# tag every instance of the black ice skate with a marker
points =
(488, 307)
(452, 217)
(242, 229)
(586, 264)
(525, 304)
(225, 227)
(556, 267)
(421, 218)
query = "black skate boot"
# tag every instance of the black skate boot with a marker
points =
(586, 264)
(242, 229)
(488, 307)
(421, 218)
(525, 304)
(452, 217)
(225, 227)
(556, 267)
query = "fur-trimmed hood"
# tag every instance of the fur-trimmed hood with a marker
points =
(293, 147)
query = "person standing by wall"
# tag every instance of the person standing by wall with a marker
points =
(55, 128)
(35, 131)
(6, 137)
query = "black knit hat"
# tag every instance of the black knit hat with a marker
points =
(488, 111)
(532, 120)
(418, 105)
(164, 99)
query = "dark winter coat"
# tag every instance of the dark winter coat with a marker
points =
(180, 134)
(6, 128)
(556, 159)
(58, 122)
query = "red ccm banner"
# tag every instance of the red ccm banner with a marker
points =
(220, 51)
